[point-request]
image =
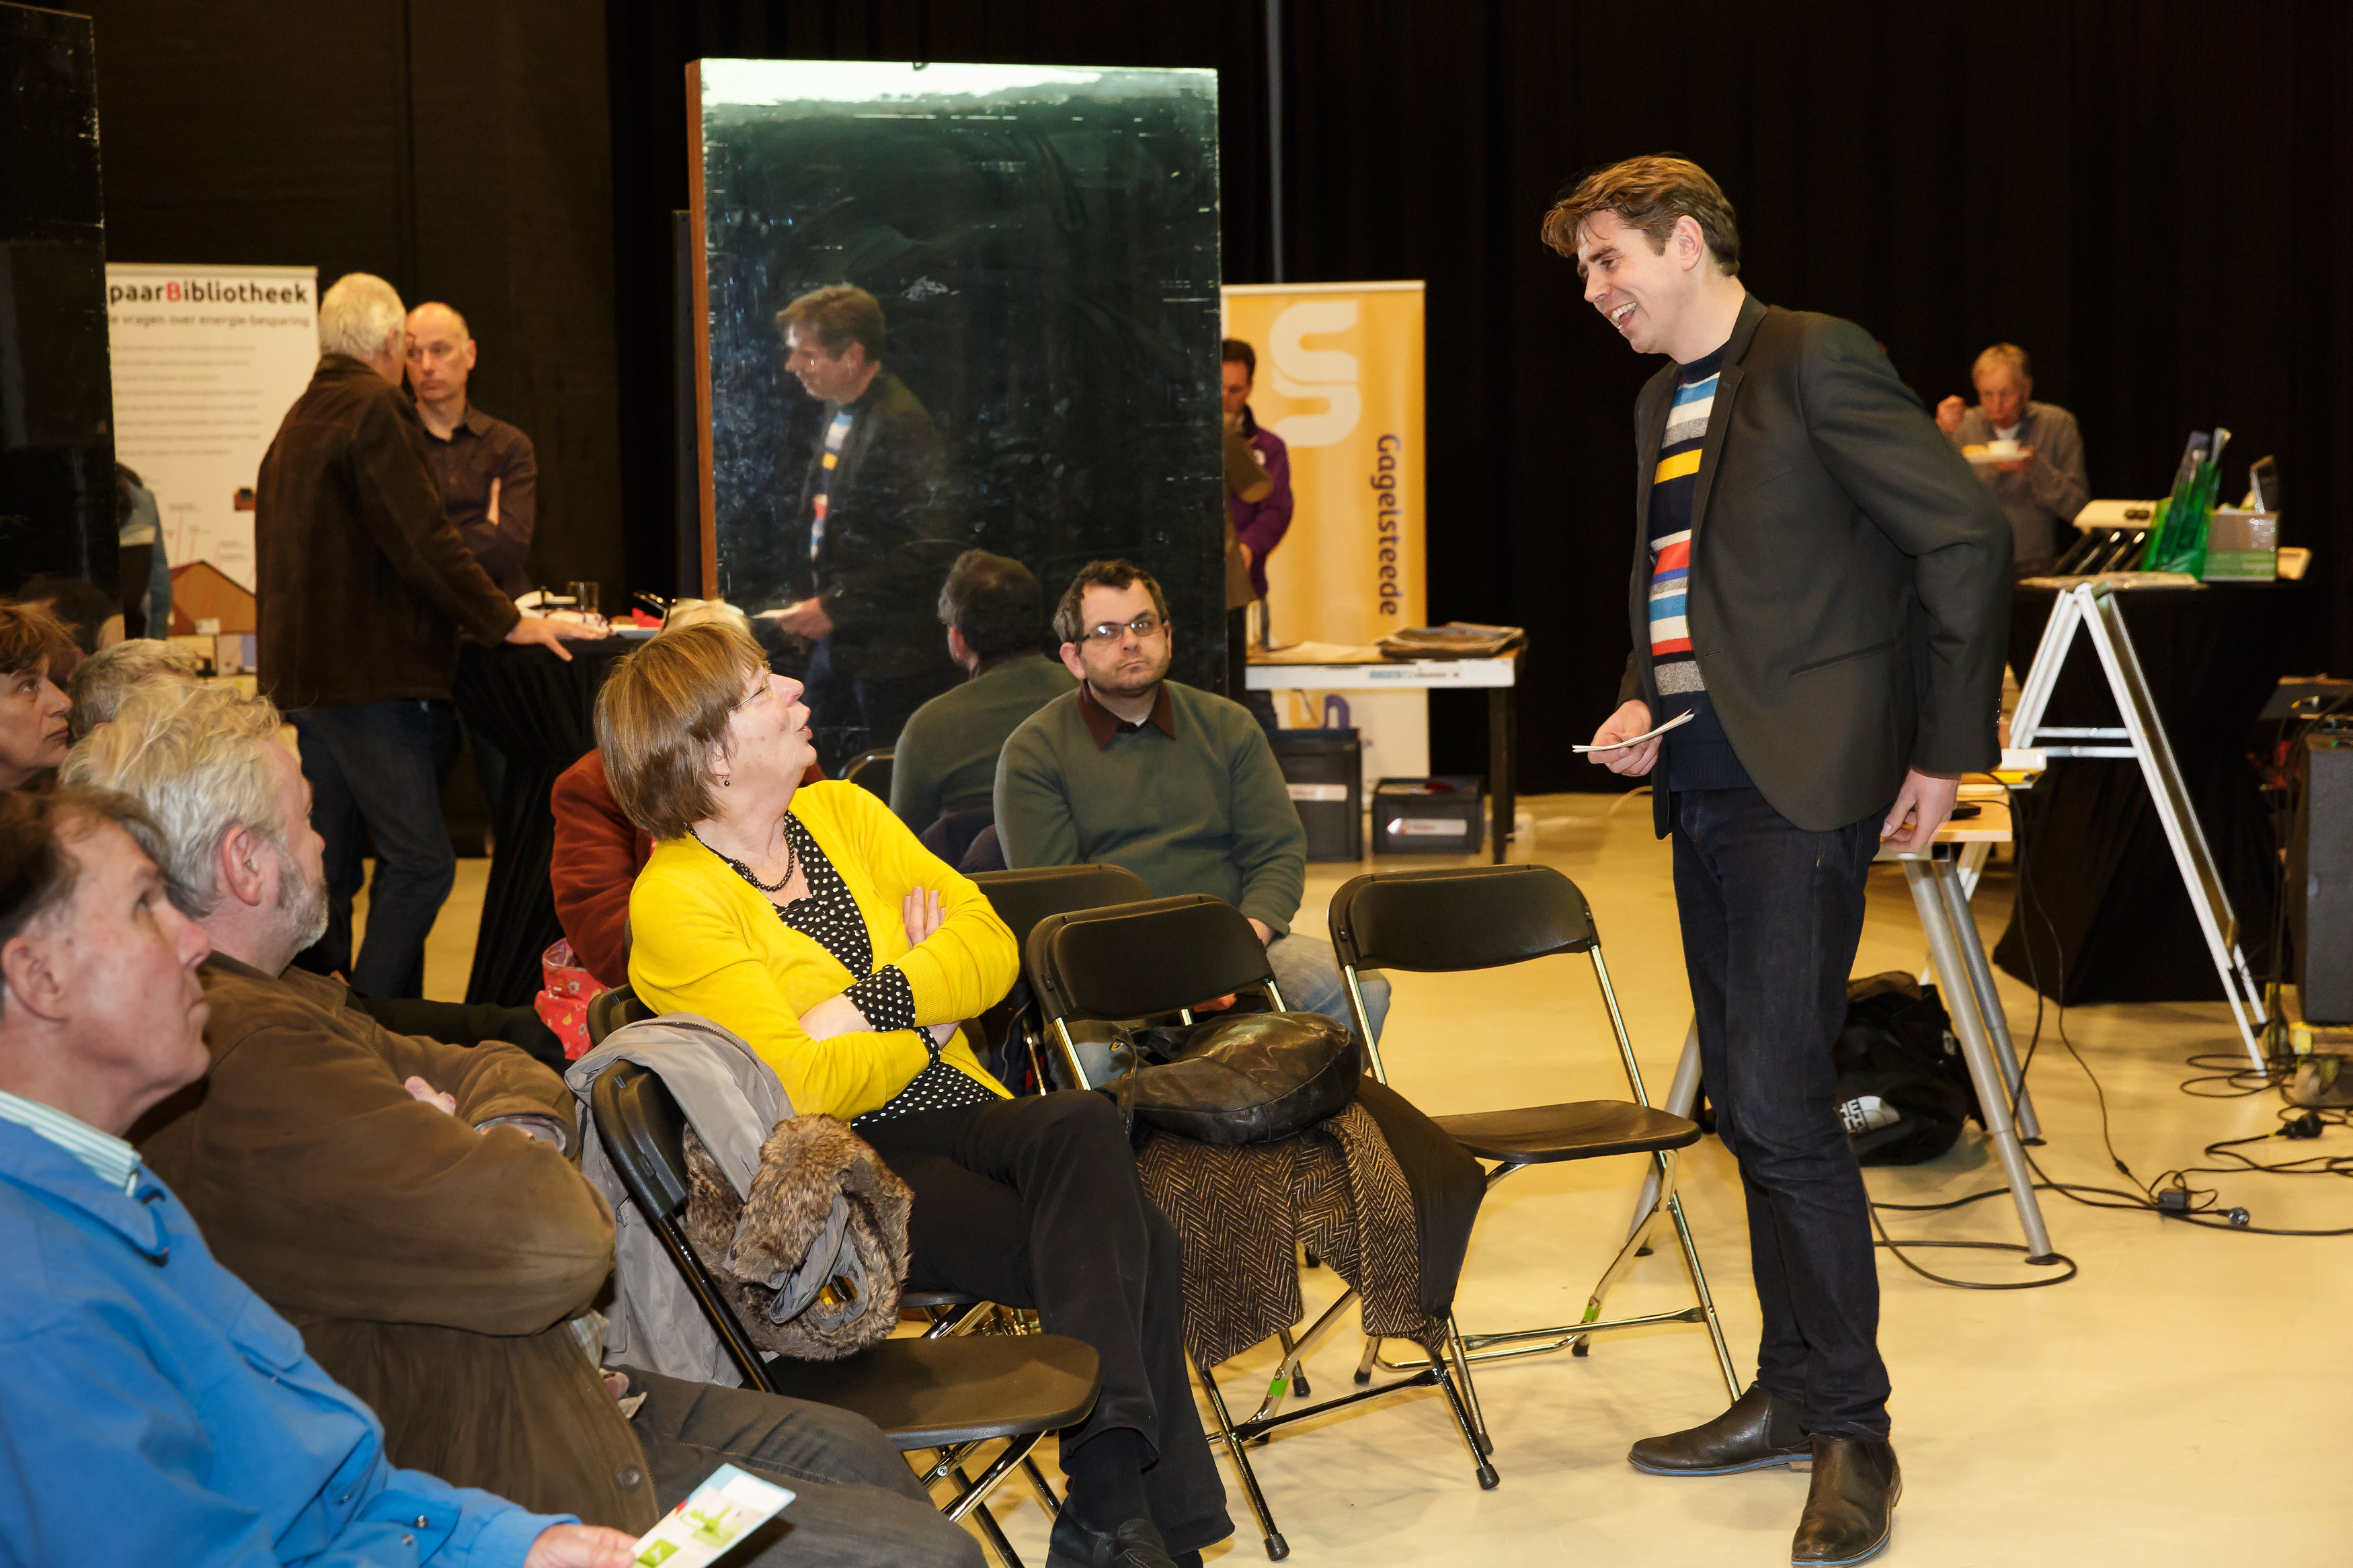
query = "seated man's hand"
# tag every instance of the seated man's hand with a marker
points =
(806, 620)
(1948, 414)
(1631, 718)
(1265, 931)
(1920, 809)
(419, 1090)
(551, 634)
(581, 1546)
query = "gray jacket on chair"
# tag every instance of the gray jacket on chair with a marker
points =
(1849, 582)
(733, 1100)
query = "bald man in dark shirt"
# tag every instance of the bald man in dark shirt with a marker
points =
(488, 473)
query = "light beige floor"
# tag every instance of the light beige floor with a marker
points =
(2180, 1403)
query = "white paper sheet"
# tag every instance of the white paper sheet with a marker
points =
(1682, 717)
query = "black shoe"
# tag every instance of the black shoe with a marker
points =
(1135, 1544)
(1757, 1432)
(1847, 1510)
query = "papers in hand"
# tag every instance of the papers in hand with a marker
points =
(728, 1506)
(1682, 717)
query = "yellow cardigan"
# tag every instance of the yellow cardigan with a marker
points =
(704, 941)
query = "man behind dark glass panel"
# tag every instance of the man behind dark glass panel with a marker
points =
(874, 495)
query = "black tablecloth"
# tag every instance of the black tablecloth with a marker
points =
(539, 712)
(2103, 901)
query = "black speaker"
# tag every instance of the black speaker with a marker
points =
(2320, 880)
(1325, 771)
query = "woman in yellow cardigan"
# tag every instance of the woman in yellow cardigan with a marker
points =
(809, 920)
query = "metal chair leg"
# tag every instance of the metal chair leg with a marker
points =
(1016, 1448)
(1486, 1441)
(1706, 1300)
(1364, 1366)
(1485, 1468)
(1277, 1549)
(1045, 1488)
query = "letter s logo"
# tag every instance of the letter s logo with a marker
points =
(1327, 374)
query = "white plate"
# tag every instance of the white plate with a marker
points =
(1987, 459)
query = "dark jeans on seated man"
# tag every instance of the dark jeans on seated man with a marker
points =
(855, 1503)
(1771, 916)
(376, 767)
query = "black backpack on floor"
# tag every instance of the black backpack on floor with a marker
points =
(1904, 1088)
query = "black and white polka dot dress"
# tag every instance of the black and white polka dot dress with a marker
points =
(829, 916)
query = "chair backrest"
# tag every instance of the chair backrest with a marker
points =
(644, 1134)
(871, 770)
(1022, 898)
(608, 1010)
(1135, 960)
(1472, 917)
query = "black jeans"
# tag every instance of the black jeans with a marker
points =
(1036, 1202)
(378, 766)
(1771, 914)
(855, 1504)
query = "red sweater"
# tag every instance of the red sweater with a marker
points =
(598, 854)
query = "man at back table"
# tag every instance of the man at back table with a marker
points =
(2042, 487)
(365, 587)
(1178, 786)
(875, 492)
(1820, 590)
(946, 757)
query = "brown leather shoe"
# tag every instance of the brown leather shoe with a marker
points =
(1757, 1432)
(1849, 1508)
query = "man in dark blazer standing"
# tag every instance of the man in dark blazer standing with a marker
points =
(869, 515)
(1820, 596)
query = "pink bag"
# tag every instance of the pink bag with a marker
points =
(562, 1006)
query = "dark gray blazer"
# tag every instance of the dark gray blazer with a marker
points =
(1850, 580)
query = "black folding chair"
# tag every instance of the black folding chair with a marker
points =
(871, 770)
(1484, 917)
(1160, 957)
(935, 1392)
(1022, 898)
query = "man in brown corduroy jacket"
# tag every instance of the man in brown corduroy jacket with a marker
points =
(411, 1207)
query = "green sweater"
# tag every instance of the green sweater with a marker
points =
(1205, 812)
(946, 757)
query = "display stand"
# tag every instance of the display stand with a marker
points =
(2092, 607)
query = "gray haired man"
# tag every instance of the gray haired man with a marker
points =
(2039, 482)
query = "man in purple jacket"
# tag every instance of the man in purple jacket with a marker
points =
(1260, 524)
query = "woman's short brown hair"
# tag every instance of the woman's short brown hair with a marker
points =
(1652, 195)
(661, 710)
(30, 637)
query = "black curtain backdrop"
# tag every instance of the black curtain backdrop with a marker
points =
(2147, 196)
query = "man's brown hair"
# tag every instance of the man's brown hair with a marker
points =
(661, 710)
(1650, 194)
(30, 636)
(1070, 616)
(994, 602)
(840, 314)
(38, 871)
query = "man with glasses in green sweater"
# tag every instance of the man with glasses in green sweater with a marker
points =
(1177, 785)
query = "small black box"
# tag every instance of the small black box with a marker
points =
(1325, 771)
(1442, 815)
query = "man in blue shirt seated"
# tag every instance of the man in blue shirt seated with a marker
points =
(156, 1410)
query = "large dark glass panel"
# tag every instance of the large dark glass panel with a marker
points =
(1044, 245)
(56, 442)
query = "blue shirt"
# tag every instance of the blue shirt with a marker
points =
(155, 1410)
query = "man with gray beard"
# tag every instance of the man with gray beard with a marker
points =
(408, 1204)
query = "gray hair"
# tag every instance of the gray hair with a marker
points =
(106, 679)
(357, 314)
(2009, 354)
(192, 756)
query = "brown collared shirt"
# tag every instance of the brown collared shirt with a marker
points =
(1102, 723)
(480, 452)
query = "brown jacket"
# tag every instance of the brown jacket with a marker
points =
(364, 583)
(431, 1268)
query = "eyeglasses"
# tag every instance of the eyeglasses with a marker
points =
(1143, 625)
